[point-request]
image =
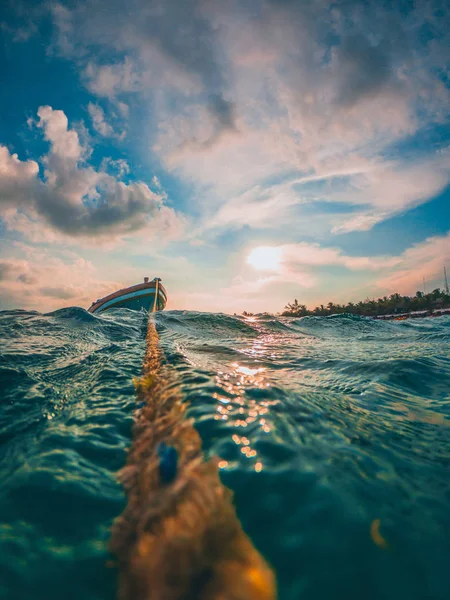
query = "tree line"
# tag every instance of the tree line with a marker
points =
(393, 304)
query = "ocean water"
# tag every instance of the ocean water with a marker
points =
(333, 433)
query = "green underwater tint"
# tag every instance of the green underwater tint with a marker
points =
(332, 432)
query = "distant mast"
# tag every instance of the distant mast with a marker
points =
(445, 279)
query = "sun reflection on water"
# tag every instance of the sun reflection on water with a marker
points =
(240, 410)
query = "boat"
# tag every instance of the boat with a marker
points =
(150, 295)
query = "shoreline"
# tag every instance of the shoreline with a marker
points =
(419, 314)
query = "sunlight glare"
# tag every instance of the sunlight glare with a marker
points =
(265, 258)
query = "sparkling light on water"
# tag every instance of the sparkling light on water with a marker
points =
(333, 434)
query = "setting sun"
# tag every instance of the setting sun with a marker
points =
(265, 258)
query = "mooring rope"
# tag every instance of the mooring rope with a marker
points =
(179, 537)
(155, 302)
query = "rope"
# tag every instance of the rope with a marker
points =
(155, 302)
(179, 537)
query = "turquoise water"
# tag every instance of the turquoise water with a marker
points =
(324, 425)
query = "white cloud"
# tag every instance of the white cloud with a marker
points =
(119, 166)
(98, 120)
(62, 19)
(291, 256)
(362, 222)
(74, 199)
(392, 187)
(124, 109)
(422, 261)
(107, 81)
(17, 179)
(64, 141)
(301, 272)
(44, 282)
(238, 96)
(377, 189)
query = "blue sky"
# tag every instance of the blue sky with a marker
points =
(247, 152)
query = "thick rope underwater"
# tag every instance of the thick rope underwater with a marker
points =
(179, 537)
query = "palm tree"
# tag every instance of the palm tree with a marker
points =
(394, 303)
(295, 309)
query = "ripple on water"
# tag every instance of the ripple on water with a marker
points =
(322, 426)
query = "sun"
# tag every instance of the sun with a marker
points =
(265, 258)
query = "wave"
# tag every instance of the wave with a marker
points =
(323, 425)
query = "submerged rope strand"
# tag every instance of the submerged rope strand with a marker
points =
(179, 537)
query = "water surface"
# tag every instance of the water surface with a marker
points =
(324, 426)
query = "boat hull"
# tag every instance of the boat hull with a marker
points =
(147, 296)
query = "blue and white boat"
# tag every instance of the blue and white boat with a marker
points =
(150, 295)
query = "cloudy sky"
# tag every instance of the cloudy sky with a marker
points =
(246, 151)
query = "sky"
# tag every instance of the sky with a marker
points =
(247, 152)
